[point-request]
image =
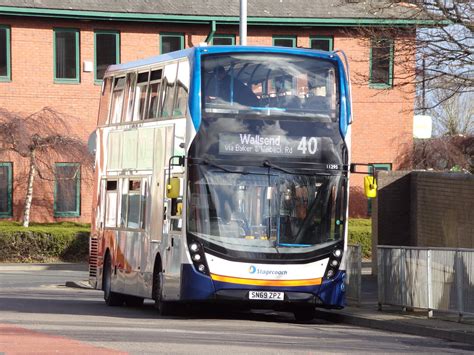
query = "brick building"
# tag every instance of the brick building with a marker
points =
(54, 53)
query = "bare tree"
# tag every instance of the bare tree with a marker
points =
(42, 138)
(441, 37)
(452, 116)
(441, 153)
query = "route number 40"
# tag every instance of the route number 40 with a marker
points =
(308, 145)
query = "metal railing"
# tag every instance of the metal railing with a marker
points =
(435, 279)
(353, 274)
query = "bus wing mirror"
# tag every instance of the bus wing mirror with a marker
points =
(173, 188)
(370, 186)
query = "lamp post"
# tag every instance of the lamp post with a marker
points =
(243, 22)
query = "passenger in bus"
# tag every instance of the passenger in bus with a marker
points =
(284, 99)
(230, 89)
(315, 101)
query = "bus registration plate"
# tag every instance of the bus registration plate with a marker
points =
(266, 295)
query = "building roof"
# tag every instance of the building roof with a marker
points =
(265, 11)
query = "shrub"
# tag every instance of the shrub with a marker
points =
(360, 232)
(44, 242)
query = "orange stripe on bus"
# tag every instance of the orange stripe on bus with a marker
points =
(258, 282)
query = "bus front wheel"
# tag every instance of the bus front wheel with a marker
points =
(111, 298)
(164, 308)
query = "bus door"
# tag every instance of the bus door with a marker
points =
(173, 218)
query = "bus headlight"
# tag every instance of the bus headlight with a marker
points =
(334, 262)
(194, 247)
(196, 252)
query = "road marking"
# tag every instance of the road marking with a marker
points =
(16, 340)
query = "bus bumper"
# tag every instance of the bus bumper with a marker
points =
(196, 286)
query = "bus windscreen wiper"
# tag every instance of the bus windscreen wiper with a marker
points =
(268, 164)
(223, 168)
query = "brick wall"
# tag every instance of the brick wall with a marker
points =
(425, 209)
(443, 210)
(382, 117)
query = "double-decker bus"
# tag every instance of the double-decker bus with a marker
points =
(222, 176)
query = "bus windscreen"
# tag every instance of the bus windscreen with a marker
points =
(270, 84)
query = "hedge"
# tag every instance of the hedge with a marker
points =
(360, 232)
(70, 241)
(44, 242)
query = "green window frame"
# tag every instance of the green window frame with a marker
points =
(58, 78)
(224, 37)
(381, 59)
(378, 166)
(164, 35)
(284, 38)
(5, 53)
(313, 41)
(72, 212)
(9, 190)
(116, 34)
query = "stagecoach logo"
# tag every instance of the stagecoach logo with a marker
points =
(254, 270)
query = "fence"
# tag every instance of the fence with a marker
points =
(435, 279)
(353, 273)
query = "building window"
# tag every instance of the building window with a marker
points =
(171, 42)
(6, 189)
(66, 55)
(323, 43)
(106, 52)
(382, 166)
(223, 40)
(284, 41)
(67, 190)
(381, 63)
(5, 70)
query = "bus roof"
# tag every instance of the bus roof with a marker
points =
(190, 52)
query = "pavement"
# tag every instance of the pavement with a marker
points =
(416, 322)
(365, 314)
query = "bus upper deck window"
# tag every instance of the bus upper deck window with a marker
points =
(117, 100)
(154, 96)
(168, 90)
(141, 90)
(182, 90)
(104, 101)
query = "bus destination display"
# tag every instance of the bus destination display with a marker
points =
(271, 145)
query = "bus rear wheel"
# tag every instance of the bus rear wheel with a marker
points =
(164, 308)
(111, 298)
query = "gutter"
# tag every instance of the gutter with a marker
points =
(206, 19)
